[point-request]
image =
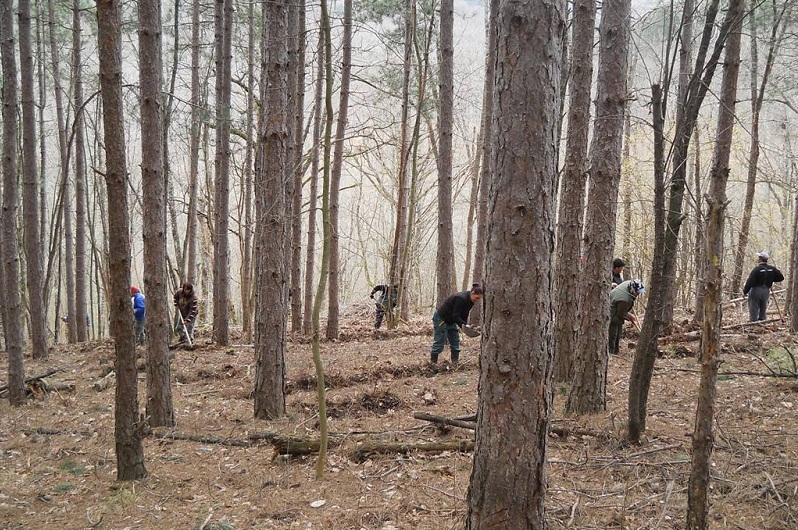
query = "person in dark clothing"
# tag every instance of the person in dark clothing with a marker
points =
(449, 317)
(757, 287)
(139, 311)
(622, 298)
(187, 303)
(617, 272)
(382, 301)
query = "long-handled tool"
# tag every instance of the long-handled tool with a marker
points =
(185, 330)
(778, 308)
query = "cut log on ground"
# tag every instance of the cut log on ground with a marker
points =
(365, 450)
(216, 440)
(29, 380)
(102, 383)
(562, 432)
(294, 445)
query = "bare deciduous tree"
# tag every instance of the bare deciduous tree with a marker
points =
(337, 165)
(703, 430)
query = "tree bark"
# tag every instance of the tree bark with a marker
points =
(194, 146)
(508, 486)
(81, 217)
(589, 389)
(11, 270)
(568, 265)
(310, 252)
(475, 317)
(298, 169)
(247, 269)
(703, 433)
(274, 167)
(321, 391)
(128, 430)
(160, 409)
(30, 194)
(398, 250)
(445, 255)
(221, 212)
(337, 165)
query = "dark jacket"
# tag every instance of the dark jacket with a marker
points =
(383, 290)
(763, 274)
(188, 304)
(617, 279)
(455, 309)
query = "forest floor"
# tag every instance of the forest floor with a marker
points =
(57, 462)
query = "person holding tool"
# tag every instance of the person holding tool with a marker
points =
(187, 303)
(451, 315)
(384, 302)
(757, 287)
(622, 298)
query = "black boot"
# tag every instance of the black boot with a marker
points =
(455, 357)
(433, 358)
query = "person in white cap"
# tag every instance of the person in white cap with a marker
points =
(622, 298)
(757, 286)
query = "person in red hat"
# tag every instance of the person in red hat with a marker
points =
(139, 311)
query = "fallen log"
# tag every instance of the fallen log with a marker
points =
(747, 324)
(29, 380)
(295, 445)
(55, 386)
(102, 383)
(465, 424)
(217, 440)
(365, 450)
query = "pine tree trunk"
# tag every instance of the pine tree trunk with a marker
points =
(271, 302)
(128, 430)
(81, 218)
(12, 306)
(30, 194)
(589, 389)
(194, 147)
(335, 176)
(508, 487)
(703, 432)
(160, 409)
(570, 223)
(221, 212)
(445, 255)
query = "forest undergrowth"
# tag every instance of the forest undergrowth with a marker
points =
(221, 469)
